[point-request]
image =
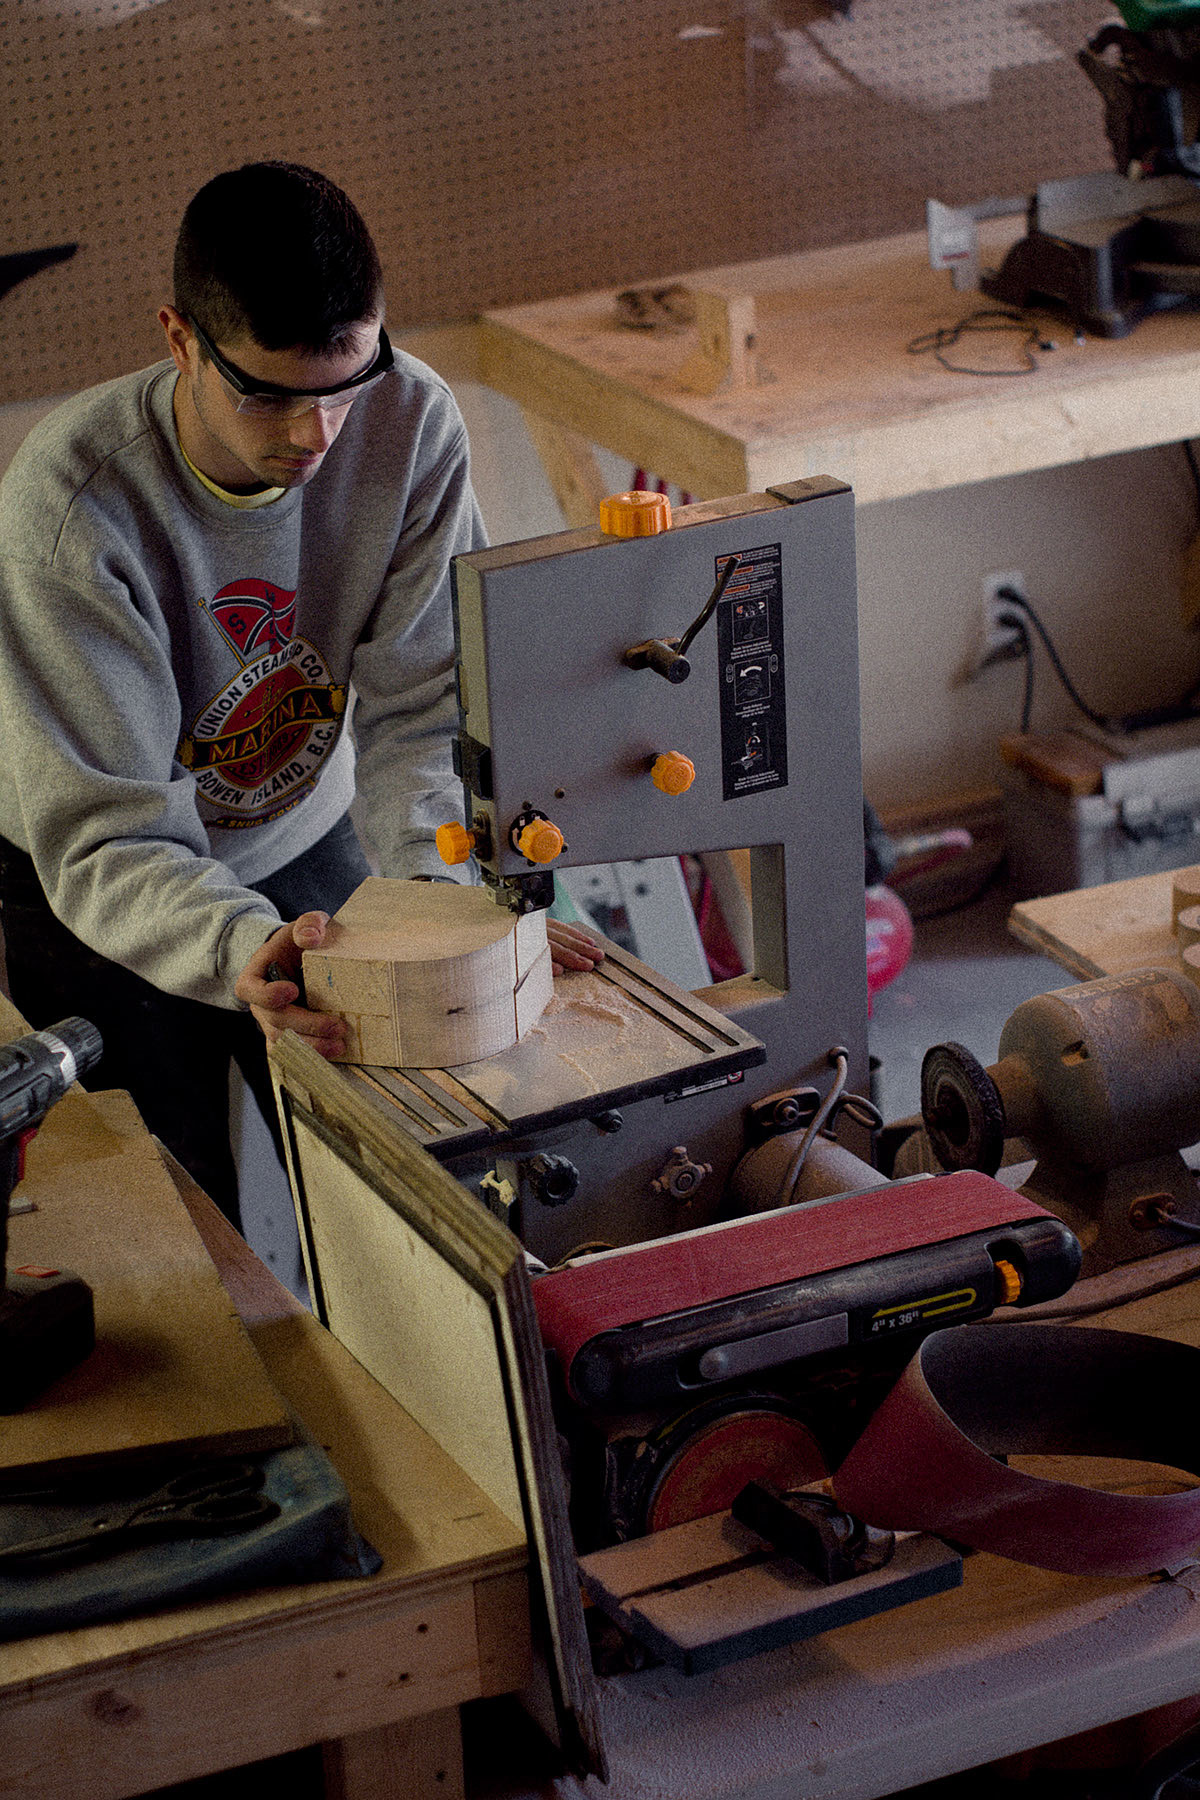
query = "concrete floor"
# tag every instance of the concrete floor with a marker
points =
(966, 975)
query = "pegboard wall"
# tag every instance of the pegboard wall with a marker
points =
(507, 150)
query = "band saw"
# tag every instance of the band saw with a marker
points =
(673, 684)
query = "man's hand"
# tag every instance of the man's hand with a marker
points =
(270, 986)
(571, 947)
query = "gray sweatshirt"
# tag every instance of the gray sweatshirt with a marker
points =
(176, 674)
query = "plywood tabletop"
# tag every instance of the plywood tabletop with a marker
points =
(453, 1565)
(838, 391)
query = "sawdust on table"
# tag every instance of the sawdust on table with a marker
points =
(589, 1017)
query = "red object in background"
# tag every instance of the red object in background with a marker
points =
(889, 938)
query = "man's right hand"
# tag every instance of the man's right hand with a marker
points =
(270, 985)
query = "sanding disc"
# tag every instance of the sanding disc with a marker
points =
(709, 1455)
(962, 1108)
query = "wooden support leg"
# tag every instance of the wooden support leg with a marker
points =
(571, 466)
(416, 1759)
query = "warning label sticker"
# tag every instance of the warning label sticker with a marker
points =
(751, 673)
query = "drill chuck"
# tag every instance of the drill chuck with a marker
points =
(37, 1070)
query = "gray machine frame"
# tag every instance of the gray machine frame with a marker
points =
(553, 719)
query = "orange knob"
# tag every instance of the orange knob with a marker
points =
(1010, 1283)
(635, 515)
(454, 842)
(540, 841)
(673, 773)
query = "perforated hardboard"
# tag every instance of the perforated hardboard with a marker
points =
(506, 150)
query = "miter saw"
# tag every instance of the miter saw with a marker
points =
(1115, 245)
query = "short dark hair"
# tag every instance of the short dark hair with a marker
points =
(278, 251)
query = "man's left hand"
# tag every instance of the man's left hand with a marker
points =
(571, 947)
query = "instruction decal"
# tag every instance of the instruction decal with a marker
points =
(751, 674)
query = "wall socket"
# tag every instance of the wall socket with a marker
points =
(998, 642)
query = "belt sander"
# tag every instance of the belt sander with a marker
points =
(756, 1348)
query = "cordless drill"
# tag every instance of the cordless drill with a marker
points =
(46, 1323)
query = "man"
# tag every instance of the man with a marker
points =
(200, 565)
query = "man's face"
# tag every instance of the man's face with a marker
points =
(246, 450)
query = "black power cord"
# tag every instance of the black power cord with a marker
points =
(985, 319)
(1024, 615)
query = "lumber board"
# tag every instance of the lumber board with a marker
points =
(838, 389)
(429, 974)
(1103, 930)
(398, 1762)
(173, 1365)
(482, 1344)
(407, 1315)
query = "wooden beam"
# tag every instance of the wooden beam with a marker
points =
(571, 467)
(417, 1759)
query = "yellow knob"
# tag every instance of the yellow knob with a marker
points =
(673, 773)
(540, 841)
(635, 515)
(1010, 1282)
(454, 842)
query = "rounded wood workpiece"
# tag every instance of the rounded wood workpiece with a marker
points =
(429, 974)
(1187, 927)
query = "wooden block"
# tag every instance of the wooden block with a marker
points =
(172, 1364)
(429, 974)
(1058, 759)
(728, 329)
(1185, 890)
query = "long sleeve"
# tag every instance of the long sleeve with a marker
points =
(403, 675)
(89, 717)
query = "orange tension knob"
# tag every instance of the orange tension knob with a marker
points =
(540, 841)
(673, 773)
(635, 515)
(454, 842)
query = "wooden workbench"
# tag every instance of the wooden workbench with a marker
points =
(374, 1669)
(838, 392)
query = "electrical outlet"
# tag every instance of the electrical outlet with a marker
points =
(998, 642)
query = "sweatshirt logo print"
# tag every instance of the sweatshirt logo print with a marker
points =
(254, 615)
(257, 746)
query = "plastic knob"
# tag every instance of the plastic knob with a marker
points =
(673, 773)
(540, 841)
(635, 515)
(454, 842)
(1008, 1283)
(553, 1179)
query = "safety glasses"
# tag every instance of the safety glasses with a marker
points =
(265, 397)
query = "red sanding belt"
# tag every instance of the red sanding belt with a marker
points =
(649, 1281)
(926, 1460)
